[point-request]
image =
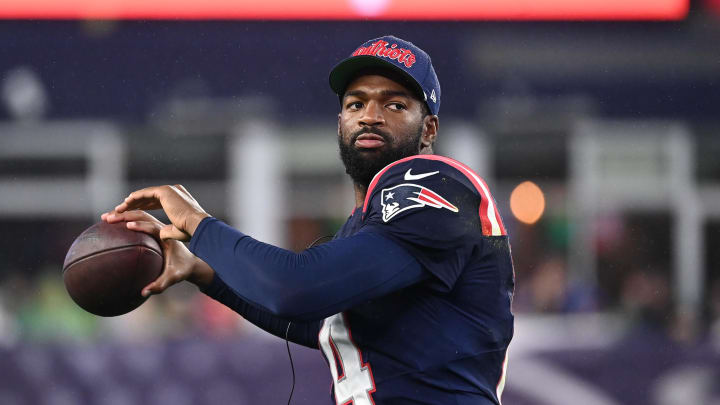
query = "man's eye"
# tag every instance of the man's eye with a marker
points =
(354, 105)
(397, 106)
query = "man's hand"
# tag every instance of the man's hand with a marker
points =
(179, 263)
(184, 212)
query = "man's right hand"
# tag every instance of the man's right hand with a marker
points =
(179, 263)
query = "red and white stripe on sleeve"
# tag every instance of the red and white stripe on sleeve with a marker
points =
(490, 219)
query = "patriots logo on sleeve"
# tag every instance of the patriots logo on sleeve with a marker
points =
(407, 196)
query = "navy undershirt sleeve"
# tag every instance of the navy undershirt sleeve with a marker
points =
(302, 333)
(311, 285)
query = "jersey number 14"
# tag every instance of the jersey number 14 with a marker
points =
(353, 383)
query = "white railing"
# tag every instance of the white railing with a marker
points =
(638, 166)
(88, 193)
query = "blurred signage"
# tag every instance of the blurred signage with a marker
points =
(348, 9)
(633, 164)
(713, 5)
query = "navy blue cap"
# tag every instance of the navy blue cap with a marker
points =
(395, 54)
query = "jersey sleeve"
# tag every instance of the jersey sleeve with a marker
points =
(310, 285)
(438, 209)
(302, 333)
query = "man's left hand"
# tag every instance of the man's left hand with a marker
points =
(183, 211)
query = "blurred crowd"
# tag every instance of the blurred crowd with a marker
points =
(633, 281)
(38, 309)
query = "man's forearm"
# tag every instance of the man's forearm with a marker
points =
(302, 333)
(311, 285)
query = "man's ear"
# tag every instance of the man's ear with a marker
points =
(338, 128)
(431, 125)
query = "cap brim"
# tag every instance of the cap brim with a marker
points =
(347, 70)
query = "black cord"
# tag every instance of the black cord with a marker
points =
(317, 241)
(321, 240)
(292, 366)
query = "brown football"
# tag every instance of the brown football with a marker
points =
(107, 267)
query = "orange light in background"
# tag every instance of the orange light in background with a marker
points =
(527, 202)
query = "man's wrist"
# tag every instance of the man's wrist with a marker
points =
(202, 274)
(194, 222)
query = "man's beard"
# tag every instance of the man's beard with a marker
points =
(363, 164)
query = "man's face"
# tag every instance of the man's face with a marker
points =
(380, 122)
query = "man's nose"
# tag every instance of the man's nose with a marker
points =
(372, 114)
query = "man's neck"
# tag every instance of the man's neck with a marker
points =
(360, 192)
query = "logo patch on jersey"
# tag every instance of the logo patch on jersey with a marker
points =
(407, 196)
(410, 177)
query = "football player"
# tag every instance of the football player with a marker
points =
(410, 303)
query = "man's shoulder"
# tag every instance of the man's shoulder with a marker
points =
(432, 181)
(418, 167)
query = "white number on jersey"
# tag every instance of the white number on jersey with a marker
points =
(354, 383)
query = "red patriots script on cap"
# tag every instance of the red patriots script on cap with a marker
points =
(381, 49)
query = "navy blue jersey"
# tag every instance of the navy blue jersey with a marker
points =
(443, 340)
(410, 303)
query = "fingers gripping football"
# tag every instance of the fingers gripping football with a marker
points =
(178, 261)
(178, 266)
(182, 209)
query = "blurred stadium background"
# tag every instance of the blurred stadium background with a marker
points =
(597, 130)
